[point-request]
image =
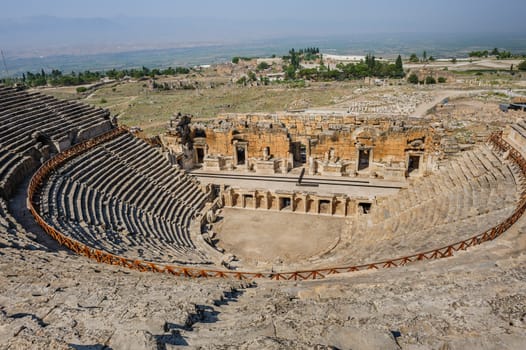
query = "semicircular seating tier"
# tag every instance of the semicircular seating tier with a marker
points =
(466, 196)
(35, 126)
(124, 197)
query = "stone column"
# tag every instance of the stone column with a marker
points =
(247, 165)
(312, 166)
(235, 153)
(421, 165)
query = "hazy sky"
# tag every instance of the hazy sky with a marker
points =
(363, 15)
(32, 28)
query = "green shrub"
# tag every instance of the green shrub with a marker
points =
(413, 79)
(263, 66)
(430, 80)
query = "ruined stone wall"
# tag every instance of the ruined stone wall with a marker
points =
(301, 124)
(337, 132)
(333, 141)
(393, 145)
(389, 146)
(343, 144)
(221, 141)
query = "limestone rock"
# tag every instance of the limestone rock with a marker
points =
(126, 339)
(359, 339)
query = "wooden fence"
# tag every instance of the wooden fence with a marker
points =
(104, 257)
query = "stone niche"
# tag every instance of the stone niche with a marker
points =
(289, 201)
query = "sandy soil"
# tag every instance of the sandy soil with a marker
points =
(259, 237)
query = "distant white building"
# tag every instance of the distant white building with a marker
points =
(309, 65)
(341, 58)
(275, 76)
(270, 61)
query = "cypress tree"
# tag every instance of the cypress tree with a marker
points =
(399, 66)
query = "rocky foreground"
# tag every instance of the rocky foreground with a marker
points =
(475, 300)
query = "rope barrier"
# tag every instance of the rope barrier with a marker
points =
(195, 272)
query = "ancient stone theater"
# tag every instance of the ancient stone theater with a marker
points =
(300, 222)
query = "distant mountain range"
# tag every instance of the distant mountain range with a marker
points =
(33, 43)
(47, 35)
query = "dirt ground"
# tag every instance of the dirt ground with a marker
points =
(259, 237)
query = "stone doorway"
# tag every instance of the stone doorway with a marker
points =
(249, 201)
(241, 155)
(363, 159)
(364, 208)
(325, 207)
(200, 155)
(285, 203)
(413, 164)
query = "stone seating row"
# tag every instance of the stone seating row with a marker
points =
(23, 113)
(12, 234)
(35, 125)
(121, 206)
(106, 223)
(469, 195)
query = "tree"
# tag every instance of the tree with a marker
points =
(424, 56)
(263, 65)
(235, 60)
(252, 76)
(522, 66)
(413, 79)
(399, 67)
(430, 80)
(495, 52)
(413, 58)
(242, 81)
(453, 60)
(370, 61)
(504, 55)
(478, 53)
(294, 58)
(290, 72)
(441, 80)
